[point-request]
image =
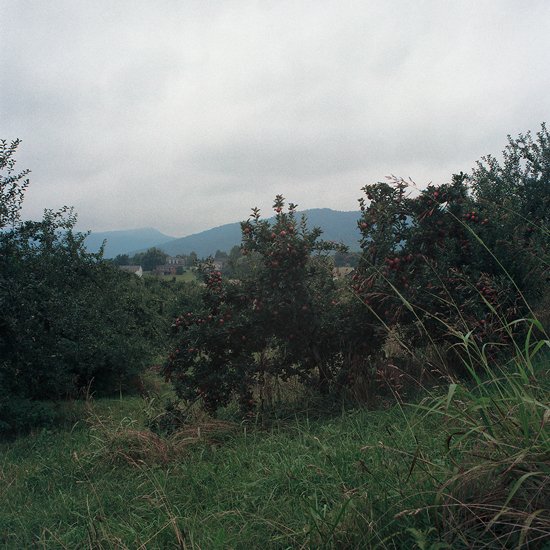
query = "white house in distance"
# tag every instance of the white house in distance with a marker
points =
(133, 268)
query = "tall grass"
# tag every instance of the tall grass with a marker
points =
(497, 439)
(310, 481)
(465, 468)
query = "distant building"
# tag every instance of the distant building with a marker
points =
(133, 268)
(165, 270)
(175, 261)
(219, 262)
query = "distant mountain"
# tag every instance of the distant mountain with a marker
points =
(337, 226)
(206, 243)
(122, 242)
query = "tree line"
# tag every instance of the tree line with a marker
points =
(468, 257)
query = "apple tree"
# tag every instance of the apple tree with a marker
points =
(464, 257)
(12, 185)
(277, 318)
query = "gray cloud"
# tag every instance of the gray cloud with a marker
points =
(184, 115)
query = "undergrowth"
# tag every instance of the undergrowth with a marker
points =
(467, 466)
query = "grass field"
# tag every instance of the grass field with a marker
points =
(309, 480)
(314, 476)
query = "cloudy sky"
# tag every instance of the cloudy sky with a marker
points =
(184, 114)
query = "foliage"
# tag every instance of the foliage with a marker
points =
(192, 259)
(521, 183)
(150, 259)
(122, 259)
(435, 264)
(471, 470)
(63, 318)
(274, 320)
(516, 199)
(458, 258)
(235, 263)
(12, 185)
(497, 442)
(70, 322)
(343, 259)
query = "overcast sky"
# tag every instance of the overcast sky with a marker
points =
(184, 114)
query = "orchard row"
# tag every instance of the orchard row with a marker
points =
(470, 256)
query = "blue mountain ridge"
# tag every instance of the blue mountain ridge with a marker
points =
(122, 242)
(340, 227)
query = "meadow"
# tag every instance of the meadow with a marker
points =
(405, 406)
(461, 467)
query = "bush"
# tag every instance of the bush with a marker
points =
(63, 318)
(70, 322)
(469, 256)
(275, 320)
(466, 257)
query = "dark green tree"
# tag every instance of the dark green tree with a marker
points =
(12, 185)
(467, 257)
(122, 259)
(344, 259)
(69, 321)
(64, 318)
(150, 259)
(235, 263)
(191, 259)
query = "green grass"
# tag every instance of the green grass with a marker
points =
(188, 276)
(310, 482)
(467, 467)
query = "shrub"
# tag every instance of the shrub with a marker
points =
(69, 321)
(466, 256)
(275, 320)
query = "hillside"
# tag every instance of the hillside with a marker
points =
(122, 242)
(337, 226)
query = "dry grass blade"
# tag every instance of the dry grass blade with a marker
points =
(127, 442)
